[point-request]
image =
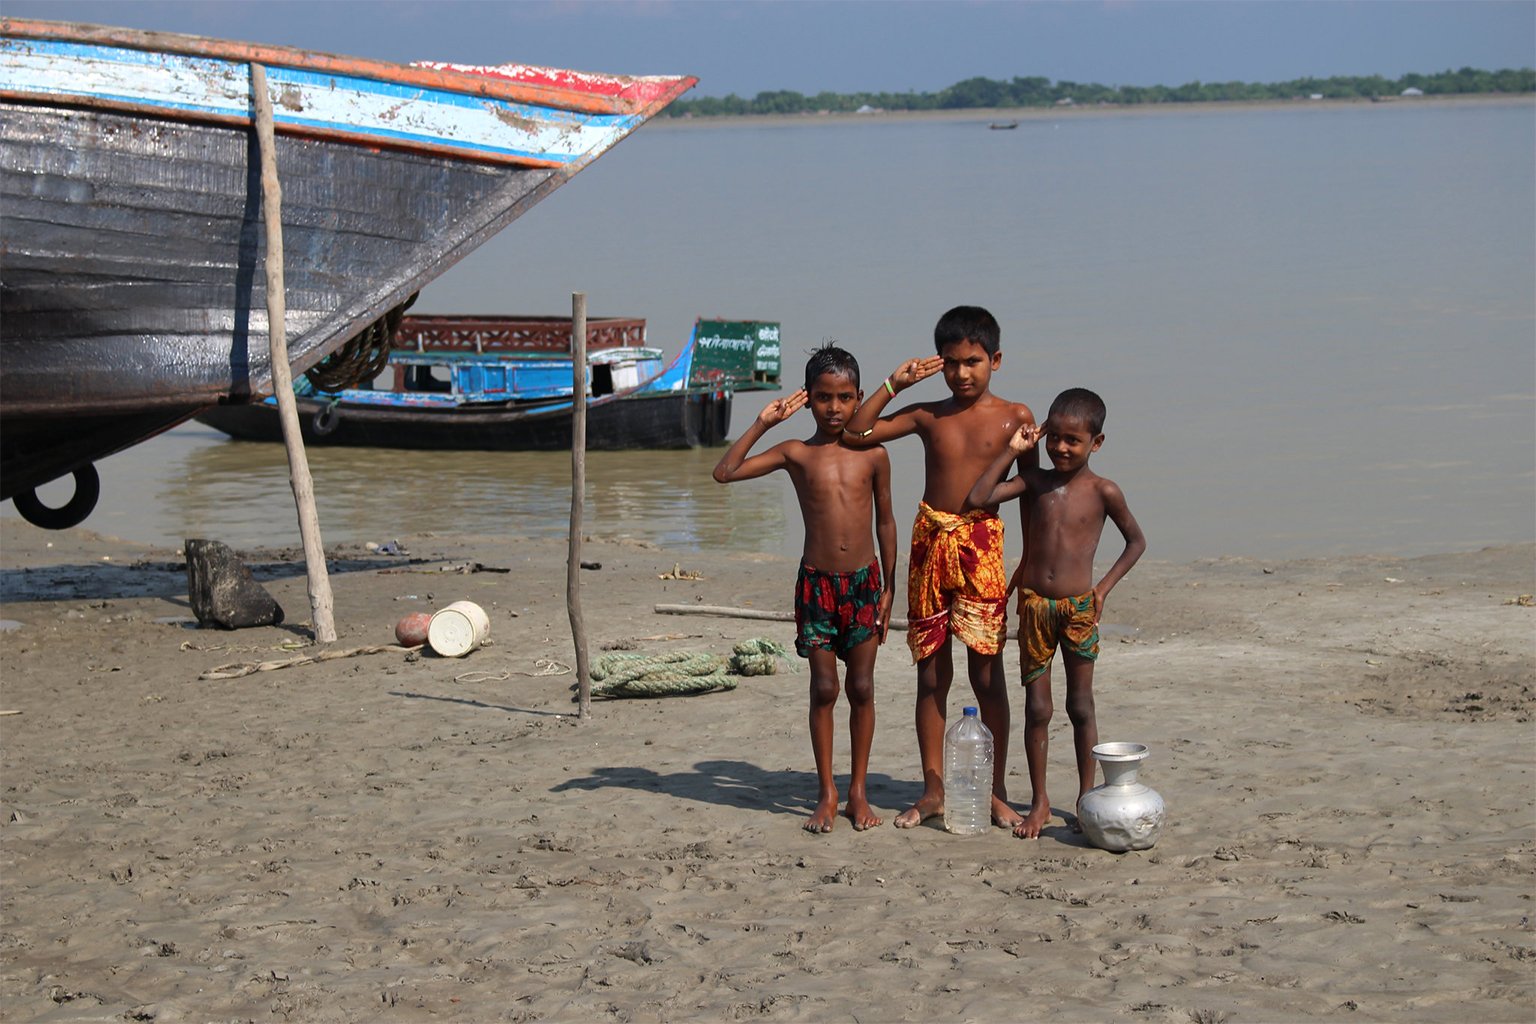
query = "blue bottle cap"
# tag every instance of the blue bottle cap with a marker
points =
(970, 712)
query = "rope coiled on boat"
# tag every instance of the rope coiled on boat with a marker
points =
(363, 357)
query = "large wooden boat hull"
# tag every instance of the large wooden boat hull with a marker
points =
(132, 293)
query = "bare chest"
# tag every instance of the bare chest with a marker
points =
(1070, 512)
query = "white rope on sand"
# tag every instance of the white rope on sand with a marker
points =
(547, 667)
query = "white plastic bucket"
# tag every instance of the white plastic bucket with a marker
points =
(458, 629)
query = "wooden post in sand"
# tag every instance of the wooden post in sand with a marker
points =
(727, 611)
(578, 494)
(282, 374)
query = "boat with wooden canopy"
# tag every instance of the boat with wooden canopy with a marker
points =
(505, 383)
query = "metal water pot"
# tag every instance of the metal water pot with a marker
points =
(1123, 814)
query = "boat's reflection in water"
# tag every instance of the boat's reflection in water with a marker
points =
(238, 492)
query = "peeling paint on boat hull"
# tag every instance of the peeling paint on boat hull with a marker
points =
(131, 281)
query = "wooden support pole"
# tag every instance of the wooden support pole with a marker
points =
(729, 612)
(282, 374)
(578, 494)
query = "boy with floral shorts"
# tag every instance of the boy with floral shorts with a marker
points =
(842, 599)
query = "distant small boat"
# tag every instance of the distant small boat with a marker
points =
(506, 383)
(1002, 126)
(131, 286)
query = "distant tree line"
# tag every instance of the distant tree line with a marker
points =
(1042, 92)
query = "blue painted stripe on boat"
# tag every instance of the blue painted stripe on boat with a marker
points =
(675, 377)
(297, 76)
(458, 144)
(440, 97)
(116, 54)
(464, 145)
(612, 125)
(34, 65)
(672, 380)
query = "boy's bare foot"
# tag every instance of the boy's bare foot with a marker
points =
(1034, 823)
(1004, 816)
(862, 815)
(823, 817)
(925, 808)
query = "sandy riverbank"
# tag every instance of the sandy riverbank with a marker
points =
(1344, 745)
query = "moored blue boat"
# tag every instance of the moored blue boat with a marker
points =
(506, 383)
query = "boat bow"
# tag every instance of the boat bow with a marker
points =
(129, 188)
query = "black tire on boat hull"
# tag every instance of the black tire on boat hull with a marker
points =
(324, 422)
(72, 513)
(722, 420)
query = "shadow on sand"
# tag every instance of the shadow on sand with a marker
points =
(470, 702)
(744, 785)
(741, 784)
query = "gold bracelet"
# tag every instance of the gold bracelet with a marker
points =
(859, 433)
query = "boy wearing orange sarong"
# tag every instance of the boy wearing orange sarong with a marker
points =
(956, 583)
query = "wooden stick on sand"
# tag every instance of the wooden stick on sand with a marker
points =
(282, 375)
(578, 494)
(726, 611)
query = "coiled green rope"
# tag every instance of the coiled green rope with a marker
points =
(684, 672)
(758, 657)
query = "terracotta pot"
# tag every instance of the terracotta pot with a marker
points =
(411, 631)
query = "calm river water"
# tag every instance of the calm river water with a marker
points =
(1314, 328)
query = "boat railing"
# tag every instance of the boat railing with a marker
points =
(513, 334)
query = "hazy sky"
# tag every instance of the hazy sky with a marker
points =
(875, 45)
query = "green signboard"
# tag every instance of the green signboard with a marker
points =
(740, 354)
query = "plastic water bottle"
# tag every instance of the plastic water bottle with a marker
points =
(968, 776)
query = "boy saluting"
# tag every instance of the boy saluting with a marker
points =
(842, 596)
(1058, 600)
(955, 580)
